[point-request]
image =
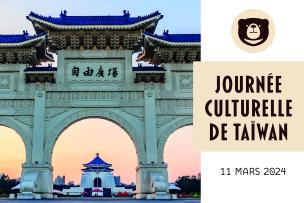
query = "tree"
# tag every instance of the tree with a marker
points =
(6, 184)
(189, 184)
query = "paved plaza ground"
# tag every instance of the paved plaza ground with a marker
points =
(102, 200)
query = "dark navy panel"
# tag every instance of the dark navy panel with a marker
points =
(40, 69)
(177, 37)
(148, 68)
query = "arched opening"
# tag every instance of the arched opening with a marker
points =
(12, 152)
(12, 156)
(97, 182)
(180, 154)
(78, 144)
(183, 161)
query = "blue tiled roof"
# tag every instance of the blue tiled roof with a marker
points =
(97, 169)
(148, 68)
(97, 161)
(191, 38)
(40, 69)
(64, 19)
(18, 38)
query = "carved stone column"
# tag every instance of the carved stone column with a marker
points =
(36, 181)
(152, 181)
(36, 177)
(150, 127)
(39, 130)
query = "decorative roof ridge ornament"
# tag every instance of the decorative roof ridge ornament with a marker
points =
(25, 33)
(165, 33)
(63, 14)
(155, 13)
(126, 13)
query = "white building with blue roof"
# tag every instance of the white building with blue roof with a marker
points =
(97, 174)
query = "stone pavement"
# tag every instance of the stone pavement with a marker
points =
(78, 200)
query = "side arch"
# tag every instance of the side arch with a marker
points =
(23, 132)
(166, 131)
(109, 115)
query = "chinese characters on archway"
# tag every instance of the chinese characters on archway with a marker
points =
(94, 72)
(100, 72)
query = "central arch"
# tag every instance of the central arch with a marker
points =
(109, 115)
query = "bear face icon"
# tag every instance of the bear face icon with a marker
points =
(253, 31)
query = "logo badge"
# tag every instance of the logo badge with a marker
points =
(253, 31)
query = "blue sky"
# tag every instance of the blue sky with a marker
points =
(179, 16)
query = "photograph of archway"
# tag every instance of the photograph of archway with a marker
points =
(100, 95)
